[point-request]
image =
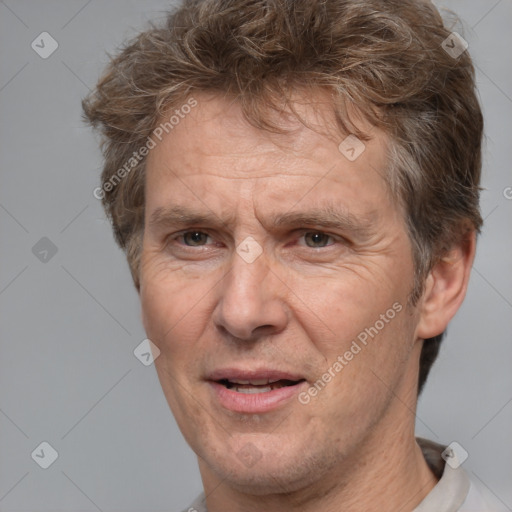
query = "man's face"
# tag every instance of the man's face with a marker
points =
(266, 257)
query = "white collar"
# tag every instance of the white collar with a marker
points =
(449, 494)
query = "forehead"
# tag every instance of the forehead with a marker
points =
(213, 147)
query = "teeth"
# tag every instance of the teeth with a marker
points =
(254, 388)
(256, 385)
(249, 391)
(259, 382)
(254, 382)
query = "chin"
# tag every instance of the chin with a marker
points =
(265, 481)
(265, 470)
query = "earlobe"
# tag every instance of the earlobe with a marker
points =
(445, 288)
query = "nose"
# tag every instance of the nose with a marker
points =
(251, 304)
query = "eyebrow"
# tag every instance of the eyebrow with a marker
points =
(181, 216)
(330, 217)
(327, 216)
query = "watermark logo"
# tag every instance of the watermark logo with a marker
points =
(44, 45)
(249, 455)
(454, 455)
(249, 249)
(454, 45)
(44, 455)
(146, 352)
(351, 148)
(44, 250)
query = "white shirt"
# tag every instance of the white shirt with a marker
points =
(453, 493)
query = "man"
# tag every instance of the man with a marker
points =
(295, 184)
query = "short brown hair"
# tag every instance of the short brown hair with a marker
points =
(386, 57)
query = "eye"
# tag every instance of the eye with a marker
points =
(193, 238)
(316, 239)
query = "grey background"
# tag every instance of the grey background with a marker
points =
(69, 326)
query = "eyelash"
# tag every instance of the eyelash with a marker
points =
(302, 233)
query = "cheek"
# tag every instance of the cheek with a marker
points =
(363, 378)
(362, 336)
(170, 309)
(172, 313)
(343, 306)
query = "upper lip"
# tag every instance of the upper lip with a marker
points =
(253, 376)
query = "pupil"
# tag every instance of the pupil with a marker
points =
(194, 236)
(317, 238)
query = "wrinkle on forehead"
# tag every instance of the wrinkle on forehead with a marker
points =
(214, 142)
(305, 110)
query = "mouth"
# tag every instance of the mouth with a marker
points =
(254, 391)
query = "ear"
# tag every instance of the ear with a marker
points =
(445, 288)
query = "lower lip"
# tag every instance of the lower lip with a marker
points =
(254, 402)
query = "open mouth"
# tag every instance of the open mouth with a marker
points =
(255, 391)
(257, 386)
